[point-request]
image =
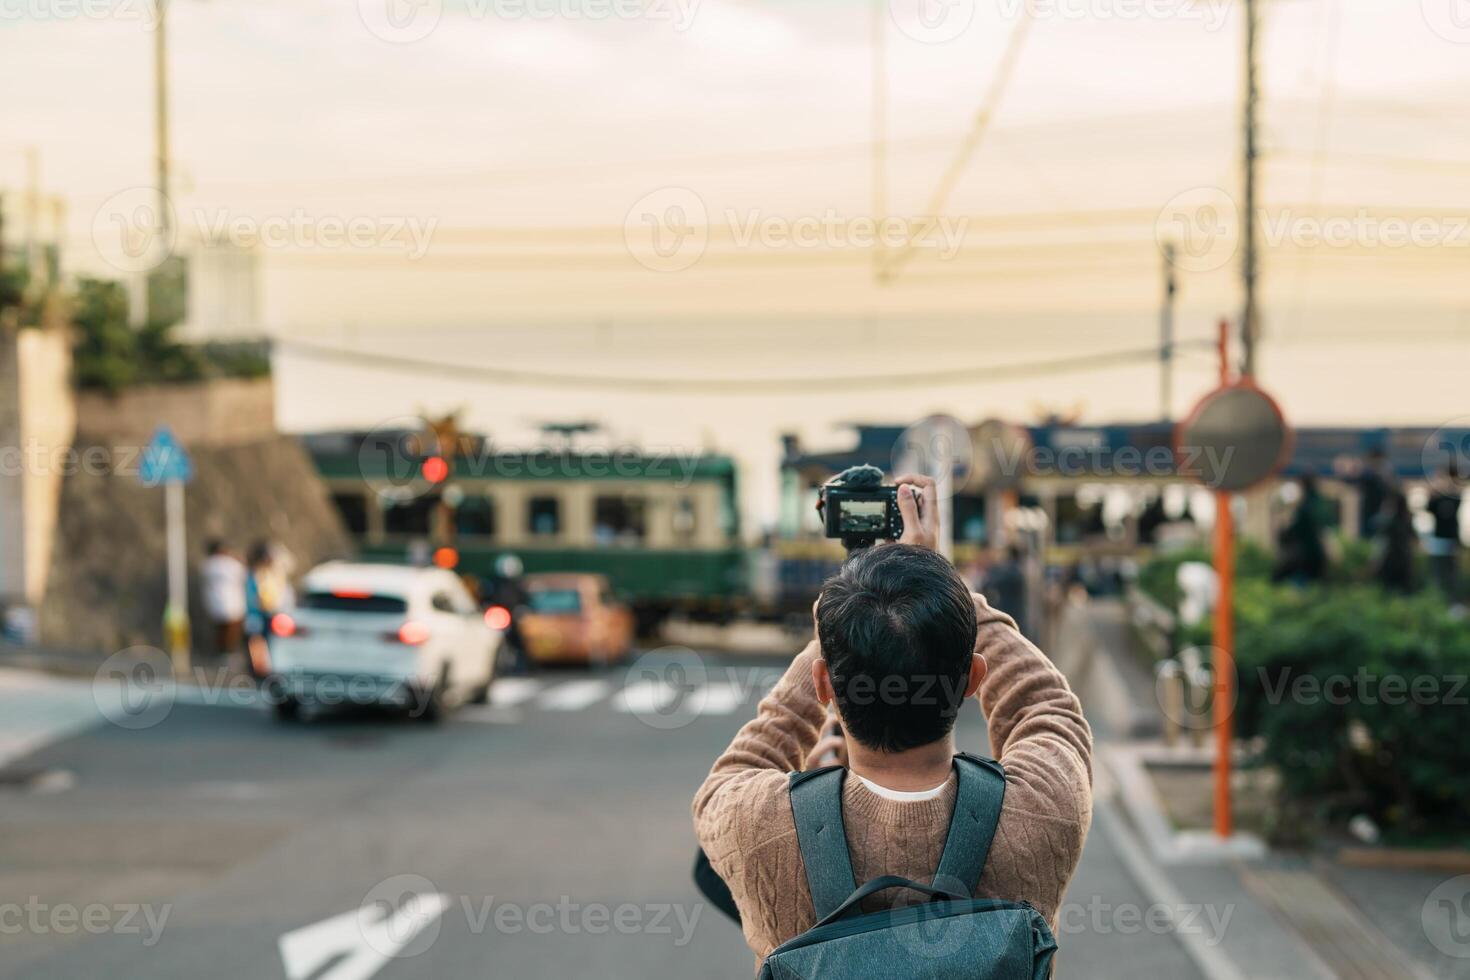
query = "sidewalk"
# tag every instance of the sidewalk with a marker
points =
(37, 709)
(1291, 915)
(47, 696)
(64, 662)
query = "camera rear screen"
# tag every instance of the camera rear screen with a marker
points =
(864, 516)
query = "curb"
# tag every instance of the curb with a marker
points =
(1404, 859)
(1145, 809)
(1161, 892)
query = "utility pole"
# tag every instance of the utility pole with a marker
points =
(1166, 337)
(2, 259)
(1250, 316)
(33, 219)
(880, 133)
(160, 113)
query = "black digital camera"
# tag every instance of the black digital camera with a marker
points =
(858, 509)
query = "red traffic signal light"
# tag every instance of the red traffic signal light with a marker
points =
(435, 469)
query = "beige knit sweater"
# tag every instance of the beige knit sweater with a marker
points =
(742, 813)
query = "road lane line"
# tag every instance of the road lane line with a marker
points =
(574, 695)
(507, 692)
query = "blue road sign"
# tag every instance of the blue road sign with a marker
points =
(165, 461)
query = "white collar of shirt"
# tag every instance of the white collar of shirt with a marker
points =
(901, 796)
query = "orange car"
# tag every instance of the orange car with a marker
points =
(572, 618)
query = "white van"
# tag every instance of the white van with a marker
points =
(381, 634)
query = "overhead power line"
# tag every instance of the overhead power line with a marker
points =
(763, 386)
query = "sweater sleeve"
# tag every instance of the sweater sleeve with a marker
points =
(1039, 734)
(742, 813)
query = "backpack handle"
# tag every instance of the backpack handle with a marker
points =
(883, 884)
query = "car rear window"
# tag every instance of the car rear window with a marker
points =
(556, 601)
(359, 602)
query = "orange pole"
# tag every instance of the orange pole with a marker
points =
(1224, 657)
(1224, 635)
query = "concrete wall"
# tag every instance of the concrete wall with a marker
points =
(37, 425)
(12, 493)
(108, 584)
(218, 413)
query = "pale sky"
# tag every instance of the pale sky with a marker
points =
(531, 152)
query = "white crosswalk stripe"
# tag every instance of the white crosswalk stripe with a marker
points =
(574, 695)
(723, 697)
(653, 697)
(645, 697)
(507, 692)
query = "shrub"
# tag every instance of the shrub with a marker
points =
(1361, 700)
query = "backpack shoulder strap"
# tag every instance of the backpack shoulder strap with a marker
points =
(982, 790)
(816, 804)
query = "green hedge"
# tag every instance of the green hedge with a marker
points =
(1160, 577)
(1360, 697)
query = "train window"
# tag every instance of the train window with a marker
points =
(684, 519)
(410, 516)
(353, 508)
(544, 516)
(475, 516)
(619, 520)
(969, 517)
(554, 601)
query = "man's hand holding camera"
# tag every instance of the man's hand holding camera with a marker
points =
(918, 502)
(860, 510)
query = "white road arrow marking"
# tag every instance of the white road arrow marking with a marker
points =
(359, 943)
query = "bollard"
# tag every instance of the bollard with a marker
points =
(1201, 684)
(1169, 682)
(176, 632)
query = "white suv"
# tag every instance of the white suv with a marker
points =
(381, 634)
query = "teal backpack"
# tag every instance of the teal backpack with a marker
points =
(954, 936)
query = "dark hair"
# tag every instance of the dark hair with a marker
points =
(213, 546)
(260, 554)
(897, 629)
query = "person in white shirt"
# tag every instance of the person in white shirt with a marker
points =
(223, 577)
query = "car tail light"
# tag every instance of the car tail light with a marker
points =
(283, 625)
(497, 617)
(410, 633)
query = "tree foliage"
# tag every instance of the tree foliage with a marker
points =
(111, 355)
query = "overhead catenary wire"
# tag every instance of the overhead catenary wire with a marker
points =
(1327, 99)
(978, 128)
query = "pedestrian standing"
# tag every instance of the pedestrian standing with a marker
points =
(223, 576)
(1375, 487)
(1396, 560)
(1444, 539)
(262, 598)
(508, 590)
(1303, 557)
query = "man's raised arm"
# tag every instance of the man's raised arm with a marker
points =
(773, 743)
(1038, 733)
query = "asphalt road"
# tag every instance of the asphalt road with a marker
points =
(548, 837)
